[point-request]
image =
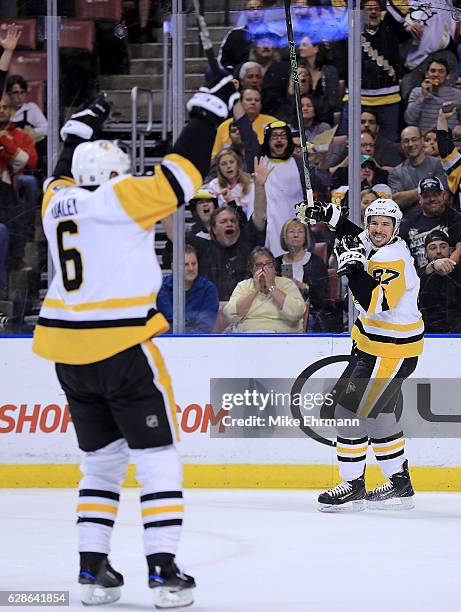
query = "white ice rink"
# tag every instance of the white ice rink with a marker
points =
(253, 551)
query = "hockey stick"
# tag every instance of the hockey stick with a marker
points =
(206, 41)
(308, 196)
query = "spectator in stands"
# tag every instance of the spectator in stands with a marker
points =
(27, 115)
(17, 152)
(430, 146)
(8, 44)
(404, 178)
(284, 185)
(265, 302)
(233, 184)
(425, 101)
(250, 74)
(313, 126)
(382, 67)
(367, 196)
(29, 118)
(275, 74)
(440, 290)
(235, 47)
(307, 270)
(251, 103)
(324, 79)
(386, 154)
(432, 29)
(222, 260)
(202, 302)
(433, 214)
(202, 207)
(449, 154)
(305, 88)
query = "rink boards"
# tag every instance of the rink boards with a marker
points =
(38, 446)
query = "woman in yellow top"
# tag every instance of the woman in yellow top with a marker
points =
(265, 302)
(251, 102)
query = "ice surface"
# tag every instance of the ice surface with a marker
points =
(252, 551)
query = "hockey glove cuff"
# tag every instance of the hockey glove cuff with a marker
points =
(351, 256)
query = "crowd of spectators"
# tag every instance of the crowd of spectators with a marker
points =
(410, 122)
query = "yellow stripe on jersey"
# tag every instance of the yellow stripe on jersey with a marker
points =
(402, 327)
(96, 508)
(102, 304)
(162, 509)
(149, 199)
(383, 100)
(164, 381)
(79, 346)
(452, 168)
(391, 275)
(53, 188)
(387, 347)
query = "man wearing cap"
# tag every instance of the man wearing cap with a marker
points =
(433, 214)
(440, 292)
(404, 178)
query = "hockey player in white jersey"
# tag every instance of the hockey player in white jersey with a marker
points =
(387, 339)
(98, 322)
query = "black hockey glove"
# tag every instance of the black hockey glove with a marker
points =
(351, 256)
(320, 211)
(214, 103)
(85, 123)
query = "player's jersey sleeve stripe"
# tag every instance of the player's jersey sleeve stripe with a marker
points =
(52, 187)
(149, 199)
(175, 186)
(102, 304)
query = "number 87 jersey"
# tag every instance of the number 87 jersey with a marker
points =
(391, 325)
(102, 298)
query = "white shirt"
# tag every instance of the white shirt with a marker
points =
(31, 113)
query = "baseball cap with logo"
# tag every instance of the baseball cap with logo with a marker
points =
(430, 183)
(436, 235)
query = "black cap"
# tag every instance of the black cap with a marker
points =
(430, 183)
(436, 235)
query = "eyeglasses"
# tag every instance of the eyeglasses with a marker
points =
(17, 91)
(265, 264)
(4, 106)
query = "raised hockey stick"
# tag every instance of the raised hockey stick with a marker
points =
(206, 41)
(308, 196)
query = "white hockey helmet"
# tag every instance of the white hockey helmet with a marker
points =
(93, 162)
(384, 207)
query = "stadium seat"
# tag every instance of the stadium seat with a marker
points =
(31, 65)
(98, 9)
(321, 250)
(28, 27)
(36, 94)
(77, 34)
(334, 285)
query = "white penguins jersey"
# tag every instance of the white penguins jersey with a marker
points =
(392, 325)
(102, 299)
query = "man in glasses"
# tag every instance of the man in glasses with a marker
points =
(404, 178)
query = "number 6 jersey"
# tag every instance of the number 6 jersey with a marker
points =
(391, 326)
(102, 298)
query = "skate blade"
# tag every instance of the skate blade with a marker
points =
(355, 506)
(93, 595)
(168, 597)
(394, 503)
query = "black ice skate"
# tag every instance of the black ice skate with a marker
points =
(397, 493)
(171, 588)
(102, 587)
(350, 495)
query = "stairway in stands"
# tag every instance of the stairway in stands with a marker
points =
(146, 70)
